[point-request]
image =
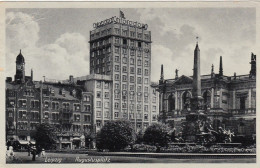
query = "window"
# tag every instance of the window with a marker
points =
(146, 99)
(117, 59)
(108, 49)
(132, 43)
(131, 97)
(125, 60)
(106, 94)
(139, 35)
(86, 98)
(139, 80)
(117, 50)
(146, 63)
(139, 44)
(132, 87)
(139, 98)
(146, 89)
(146, 45)
(124, 51)
(132, 34)
(116, 105)
(117, 68)
(125, 33)
(154, 99)
(116, 86)
(98, 84)
(106, 85)
(87, 108)
(139, 88)
(132, 70)
(124, 69)
(146, 108)
(117, 96)
(132, 79)
(123, 105)
(98, 103)
(116, 77)
(124, 78)
(139, 116)
(146, 81)
(146, 117)
(139, 62)
(98, 94)
(124, 87)
(146, 36)
(87, 118)
(146, 72)
(132, 52)
(139, 53)
(146, 54)
(117, 40)
(107, 114)
(98, 114)
(46, 115)
(132, 61)
(76, 117)
(106, 104)
(154, 117)
(139, 71)
(154, 108)
(98, 123)
(116, 114)
(117, 31)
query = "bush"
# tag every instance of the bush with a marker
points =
(115, 135)
(157, 134)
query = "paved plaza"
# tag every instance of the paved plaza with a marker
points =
(22, 157)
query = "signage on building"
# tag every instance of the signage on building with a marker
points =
(123, 21)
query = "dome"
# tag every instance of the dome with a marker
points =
(20, 58)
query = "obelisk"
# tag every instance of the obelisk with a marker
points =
(196, 99)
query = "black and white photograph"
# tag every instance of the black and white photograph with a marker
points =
(130, 84)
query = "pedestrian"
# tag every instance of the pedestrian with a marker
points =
(11, 152)
(33, 153)
(42, 153)
(28, 149)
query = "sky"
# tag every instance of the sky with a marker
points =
(55, 44)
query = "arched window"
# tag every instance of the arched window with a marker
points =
(186, 100)
(206, 99)
(171, 103)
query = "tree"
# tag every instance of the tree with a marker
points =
(115, 135)
(157, 134)
(44, 136)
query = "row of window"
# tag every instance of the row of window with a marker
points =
(131, 33)
(132, 61)
(132, 52)
(132, 43)
(132, 87)
(132, 70)
(132, 79)
(106, 95)
(106, 85)
(101, 51)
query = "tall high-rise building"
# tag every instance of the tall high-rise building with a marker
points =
(121, 49)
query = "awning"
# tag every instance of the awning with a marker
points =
(76, 139)
(23, 142)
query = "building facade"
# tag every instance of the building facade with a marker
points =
(121, 49)
(66, 106)
(229, 101)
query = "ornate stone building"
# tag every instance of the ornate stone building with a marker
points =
(229, 101)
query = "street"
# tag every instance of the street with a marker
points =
(22, 157)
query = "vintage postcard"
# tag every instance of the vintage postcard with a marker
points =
(129, 82)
